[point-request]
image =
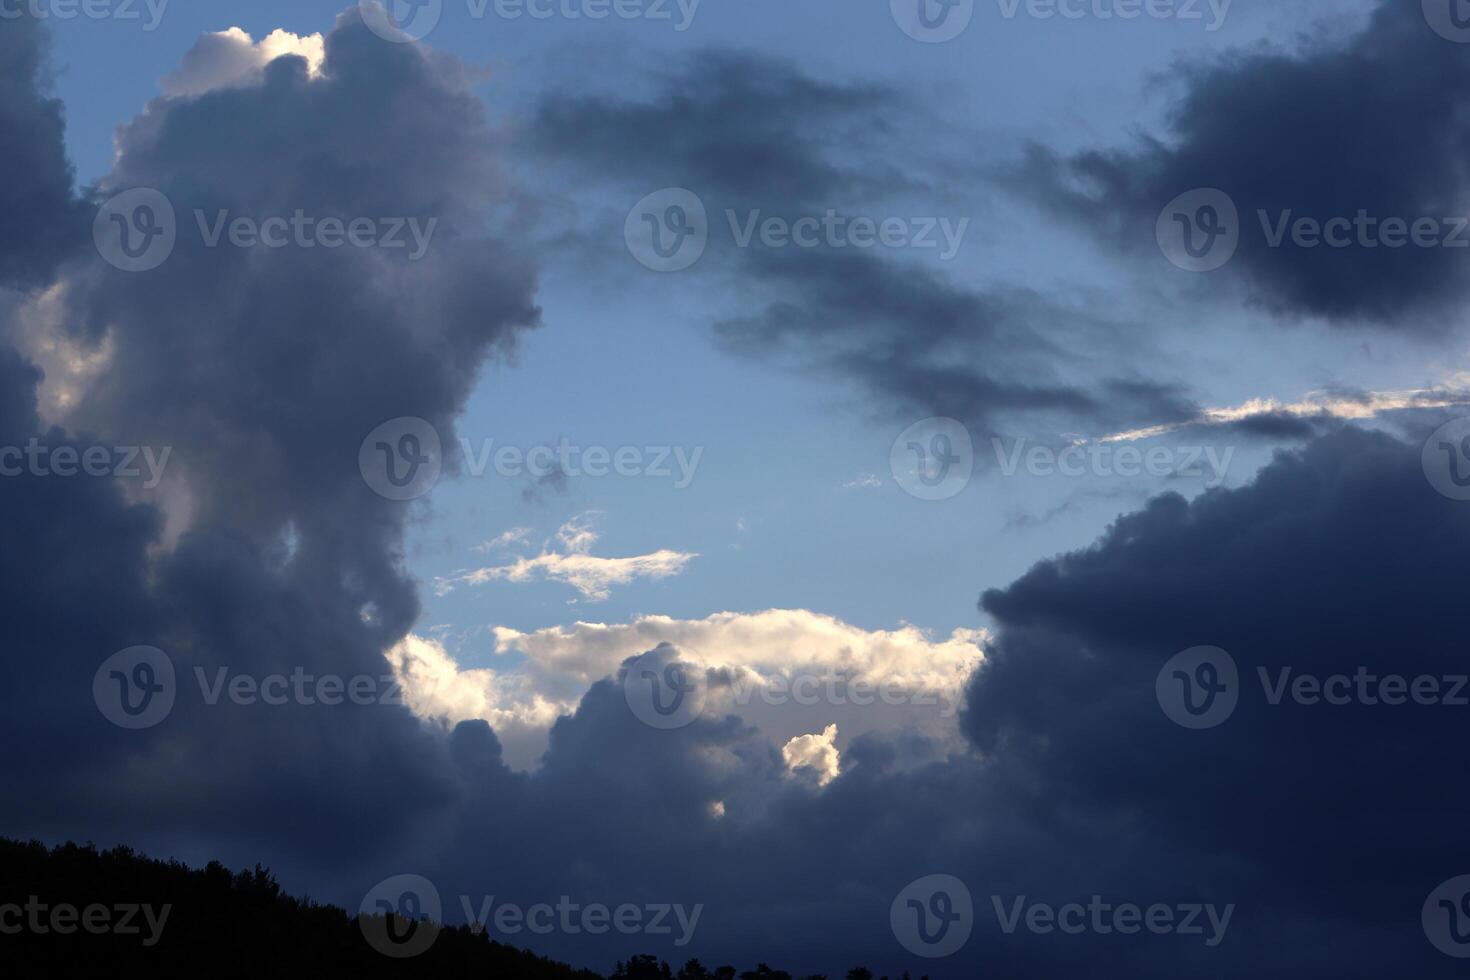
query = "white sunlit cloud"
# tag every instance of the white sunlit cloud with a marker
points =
(918, 679)
(231, 57)
(504, 541)
(567, 558)
(816, 753)
(519, 706)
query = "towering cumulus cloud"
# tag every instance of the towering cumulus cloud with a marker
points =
(260, 371)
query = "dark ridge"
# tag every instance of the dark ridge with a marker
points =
(224, 923)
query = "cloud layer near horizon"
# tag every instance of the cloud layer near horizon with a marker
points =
(788, 672)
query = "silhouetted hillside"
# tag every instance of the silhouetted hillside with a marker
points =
(76, 907)
(217, 923)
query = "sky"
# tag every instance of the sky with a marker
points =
(1014, 360)
(783, 479)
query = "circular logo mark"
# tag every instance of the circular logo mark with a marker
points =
(1446, 459)
(932, 21)
(668, 230)
(933, 459)
(135, 688)
(400, 916)
(933, 916)
(1446, 917)
(401, 21)
(1199, 688)
(136, 231)
(664, 691)
(401, 459)
(1449, 18)
(1199, 230)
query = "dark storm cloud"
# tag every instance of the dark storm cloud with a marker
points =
(1324, 826)
(40, 213)
(1327, 825)
(262, 370)
(748, 133)
(1377, 124)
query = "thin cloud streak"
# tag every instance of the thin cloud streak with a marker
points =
(1317, 404)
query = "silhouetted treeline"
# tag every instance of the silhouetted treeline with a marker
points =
(218, 923)
(650, 968)
(74, 907)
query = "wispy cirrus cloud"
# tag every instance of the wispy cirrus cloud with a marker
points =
(1342, 406)
(567, 558)
(761, 134)
(504, 540)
